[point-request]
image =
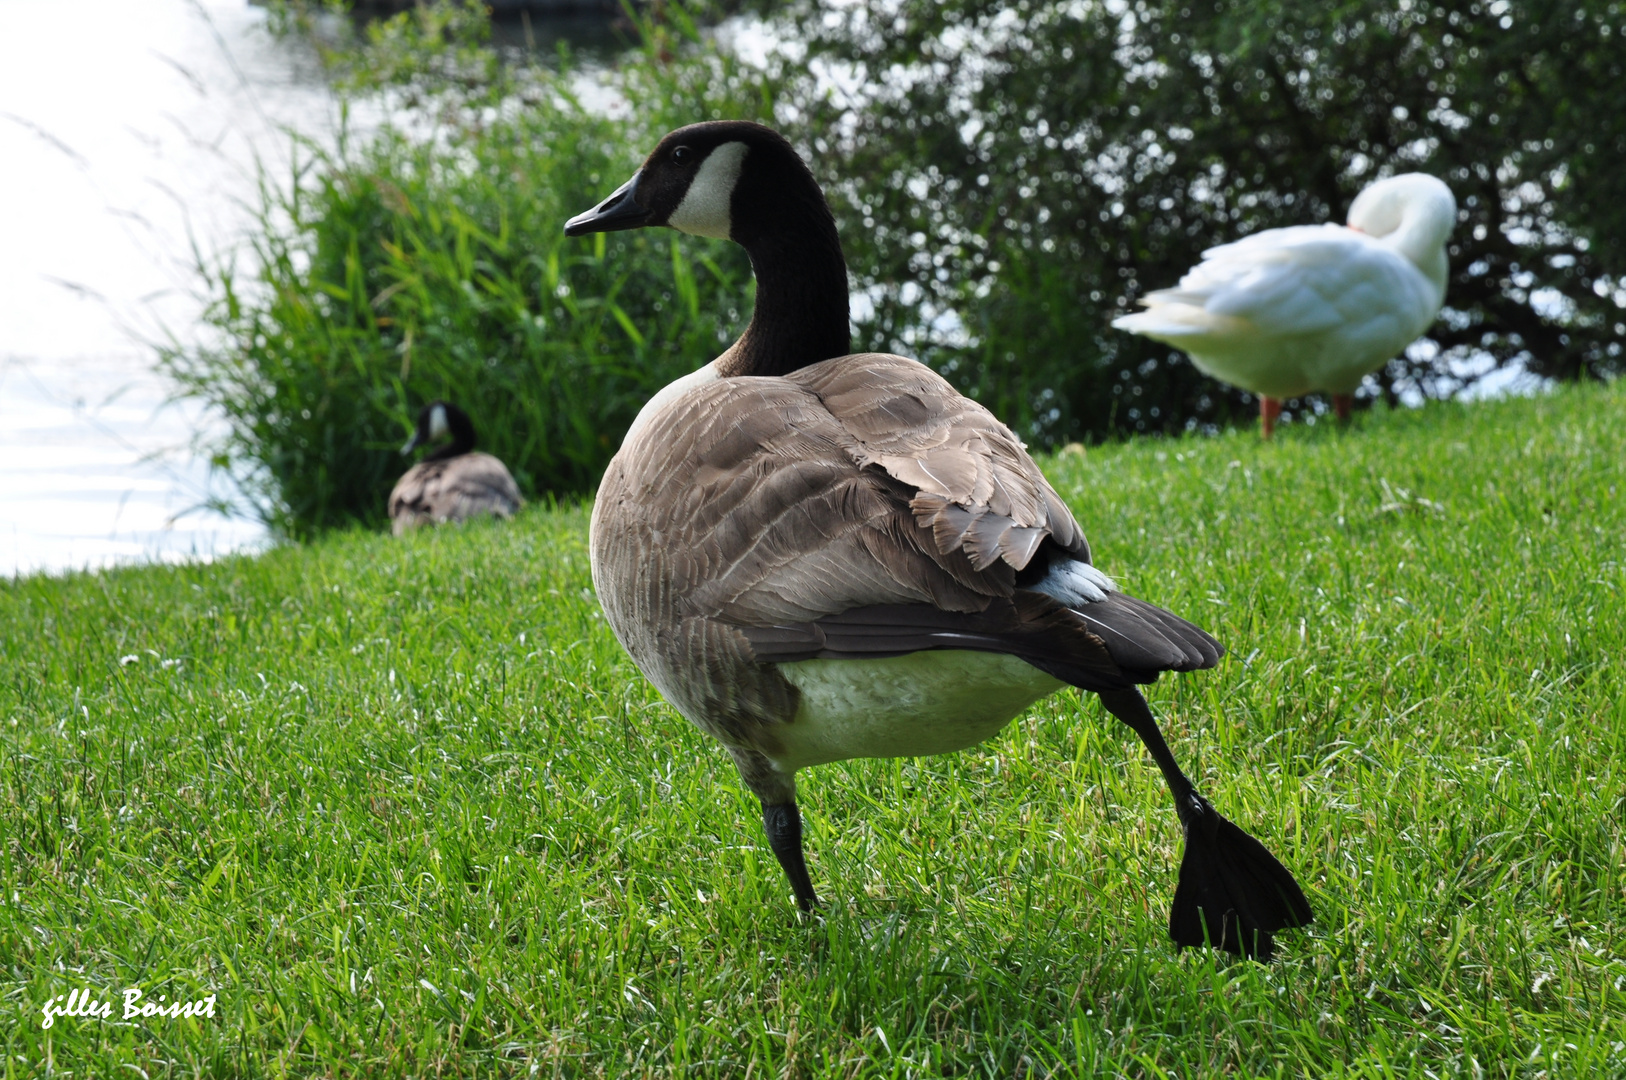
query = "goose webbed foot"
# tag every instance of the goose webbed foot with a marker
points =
(783, 824)
(1232, 893)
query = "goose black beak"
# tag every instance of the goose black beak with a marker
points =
(620, 211)
(412, 444)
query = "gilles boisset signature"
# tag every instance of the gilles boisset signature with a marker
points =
(79, 1003)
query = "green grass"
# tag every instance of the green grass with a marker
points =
(408, 809)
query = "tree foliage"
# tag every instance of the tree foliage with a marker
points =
(1014, 175)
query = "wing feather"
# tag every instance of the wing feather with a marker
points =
(453, 489)
(776, 505)
(1302, 280)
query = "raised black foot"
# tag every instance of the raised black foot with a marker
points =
(1232, 892)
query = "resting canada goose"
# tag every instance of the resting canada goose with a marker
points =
(1314, 307)
(454, 483)
(818, 556)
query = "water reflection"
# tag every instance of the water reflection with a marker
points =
(129, 132)
(98, 469)
(593, 36)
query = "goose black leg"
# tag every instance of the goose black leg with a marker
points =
(776, 790)
(783, 824)
(1232, 892)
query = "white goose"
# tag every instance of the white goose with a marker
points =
(1313, 307)
(819, 556)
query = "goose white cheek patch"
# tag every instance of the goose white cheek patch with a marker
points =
(704, 210)
(437, 422)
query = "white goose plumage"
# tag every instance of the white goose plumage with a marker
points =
(1314, 307)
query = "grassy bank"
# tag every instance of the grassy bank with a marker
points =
(406, 808)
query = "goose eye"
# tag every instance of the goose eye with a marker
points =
(682, 155)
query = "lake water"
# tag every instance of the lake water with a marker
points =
(129, 130)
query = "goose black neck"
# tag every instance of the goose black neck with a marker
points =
(801, 304)
(462, 431)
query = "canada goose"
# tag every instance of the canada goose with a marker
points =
(454, 483)
(1312, 307)
(818, 556)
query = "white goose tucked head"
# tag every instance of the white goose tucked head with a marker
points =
(1413, 214)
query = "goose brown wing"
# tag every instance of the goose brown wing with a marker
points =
(974, 484)
(747, 500)
(476, 484)
(408, 508)
(454, 489)
(787, 499)
(859, 506)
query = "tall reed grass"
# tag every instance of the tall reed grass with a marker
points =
(393, 270)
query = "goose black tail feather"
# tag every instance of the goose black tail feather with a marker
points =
(1029, 625)
(1145, 640)
(1106, 645)
(1232, 893)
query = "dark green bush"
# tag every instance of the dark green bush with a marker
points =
(394, 270)
(393, 273)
